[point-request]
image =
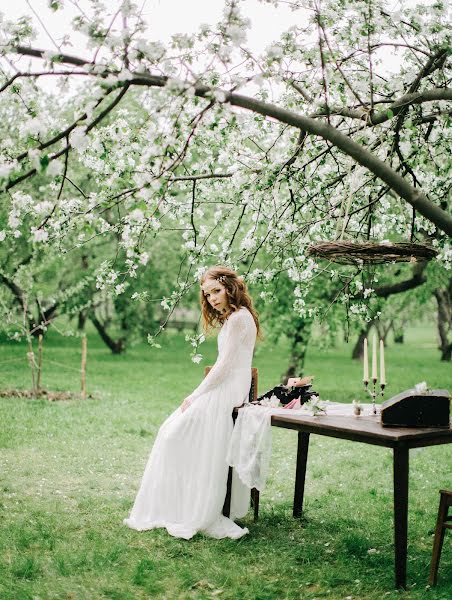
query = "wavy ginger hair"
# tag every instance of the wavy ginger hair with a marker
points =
(237, 295)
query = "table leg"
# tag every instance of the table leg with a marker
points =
(300, 474)
(400, 469)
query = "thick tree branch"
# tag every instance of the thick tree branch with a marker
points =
(360, 154)
(116, 346)
(417, 279)
(14, 289)
(391, 111)
(58, 57)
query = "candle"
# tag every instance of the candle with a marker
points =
(366, 363)
(382, 364)
(374, 358)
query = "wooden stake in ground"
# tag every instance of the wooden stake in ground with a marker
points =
(83, 369)
(38, 383)
(31, 360)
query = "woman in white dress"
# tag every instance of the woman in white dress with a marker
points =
(184, 483)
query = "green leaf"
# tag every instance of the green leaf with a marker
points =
(55, 4)
(44, 161)
(389, 113)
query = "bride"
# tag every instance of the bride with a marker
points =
(184, 483)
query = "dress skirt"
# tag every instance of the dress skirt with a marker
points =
(184, 484)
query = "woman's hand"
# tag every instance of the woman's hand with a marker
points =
(185, 404)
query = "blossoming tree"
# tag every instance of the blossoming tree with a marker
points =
(250, 158)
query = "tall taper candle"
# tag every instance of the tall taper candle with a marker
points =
(382, 363)
(366, 362)
(374, 358)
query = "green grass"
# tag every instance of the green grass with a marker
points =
(70, 471)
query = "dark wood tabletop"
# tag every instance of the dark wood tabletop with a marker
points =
(367, 429)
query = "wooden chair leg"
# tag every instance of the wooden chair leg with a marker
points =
(255, 502)
(227, 500)
(438, 540)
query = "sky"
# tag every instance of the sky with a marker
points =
(165, 18)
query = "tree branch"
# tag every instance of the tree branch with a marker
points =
(394, 108)
(416, 280)
(361, 155)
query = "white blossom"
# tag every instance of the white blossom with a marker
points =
(152, 50)
(35, 158)
(175, 86)
(112, 276)
(43, 207)
(54, 168)
(40, 235)
(358, 285)
(33, 127)
(237, 34)
(7, 167)
(154, 223)
(219, 95)
(199, 273)
(248, 243)
(124, 75)
(79, 139)
(275, 52)
(136, 215)
(165, 304)
(13, 220)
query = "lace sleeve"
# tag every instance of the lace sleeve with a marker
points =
(238, 326)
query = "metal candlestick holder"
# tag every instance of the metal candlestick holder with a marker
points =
(373, 392)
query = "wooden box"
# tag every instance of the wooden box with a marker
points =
(414, 409)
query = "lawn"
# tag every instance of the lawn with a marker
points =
(70, 470)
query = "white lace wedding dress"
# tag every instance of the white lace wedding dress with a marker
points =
(184, 483)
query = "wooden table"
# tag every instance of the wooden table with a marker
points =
(369, 431)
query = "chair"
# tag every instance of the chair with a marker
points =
(443, 522)
(254, 492)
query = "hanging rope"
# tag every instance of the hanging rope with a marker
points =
(54, 362)
(4, 362)
(36, 370)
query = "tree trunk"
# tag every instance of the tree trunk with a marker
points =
(115, 346)
(383, 329)
(300, 339)
(358, 350)
(443, 299)
(399, 337)
(398, 330)
(81, 321)
(36, 327)
(43, 320)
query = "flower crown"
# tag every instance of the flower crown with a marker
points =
(222, 278)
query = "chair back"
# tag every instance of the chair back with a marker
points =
(252, 396)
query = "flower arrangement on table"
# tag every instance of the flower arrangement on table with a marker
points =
(293, 395)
